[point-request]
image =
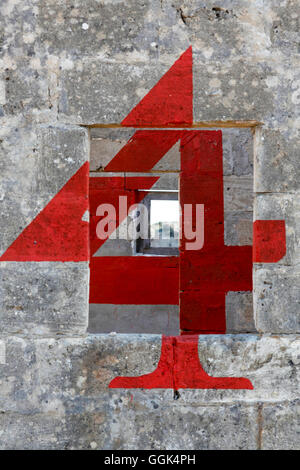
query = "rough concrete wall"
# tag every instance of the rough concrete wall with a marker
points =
(84, 62)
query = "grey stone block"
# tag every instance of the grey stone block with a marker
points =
(19, 202)
(237, 152)
(239, 312)
(270, 362)
(43, 298)
(32, 432)
(81, 27)
(47, 374)
(64, 429)
(281, 426)
(282, 207)
(276, 161)
(213, 30)
(231, 91)
(238, 193)
(202, 428)
(240, 81)
(285, 29)
(238, 228)
(62, 151)
(27, 89)
(36, 162)
(238, 187)
(199, 428)
(107, 93)
(276, 298)
(154, 319)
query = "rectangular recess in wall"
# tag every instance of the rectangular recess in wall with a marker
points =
(136, 292)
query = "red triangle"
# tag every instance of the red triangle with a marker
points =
(143, 151)
(170, 101)
(58, 232)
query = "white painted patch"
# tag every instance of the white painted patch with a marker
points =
(85, 26)
(86, 216)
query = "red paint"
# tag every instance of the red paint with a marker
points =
(269, 241)
(143, 151)
(134, 280)
(57, 233)
(188, 372)
(229, 269)
(179, 367)
(206, 306)
(106, 190)
(207, 275)
(170, 101)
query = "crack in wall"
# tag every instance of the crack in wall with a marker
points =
(260, 425)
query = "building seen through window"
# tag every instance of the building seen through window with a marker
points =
(164, 223)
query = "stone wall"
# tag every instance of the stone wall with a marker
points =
(68, 65)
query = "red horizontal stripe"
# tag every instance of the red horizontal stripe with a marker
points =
(134, 280)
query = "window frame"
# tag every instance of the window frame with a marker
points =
(143, 246)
